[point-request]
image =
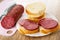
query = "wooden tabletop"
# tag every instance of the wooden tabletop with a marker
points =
(18, 36)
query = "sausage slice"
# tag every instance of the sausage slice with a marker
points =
(28, 24)
(48, 23)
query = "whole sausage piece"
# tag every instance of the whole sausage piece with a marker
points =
(12, 16)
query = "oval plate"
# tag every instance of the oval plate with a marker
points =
(48, 13)
(36, 34)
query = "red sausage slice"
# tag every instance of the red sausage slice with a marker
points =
(8, 22)
(12, 16)
(28, 24)
(48, 23)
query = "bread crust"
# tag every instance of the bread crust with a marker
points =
(47, 31)
(22, 30)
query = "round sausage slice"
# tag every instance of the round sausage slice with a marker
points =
(28, 24)
(8, 22)
(12, 16)
(48, 23)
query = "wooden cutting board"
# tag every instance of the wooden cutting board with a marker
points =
(17, 36)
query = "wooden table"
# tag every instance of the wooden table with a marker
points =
(17, 36)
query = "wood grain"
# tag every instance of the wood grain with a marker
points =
(18, 36)
(1, 0)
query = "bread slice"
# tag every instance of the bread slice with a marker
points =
(37, 16)
(22, 30)
(36, 19)
(48, 31)
(35, 9)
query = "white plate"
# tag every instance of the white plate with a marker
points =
(50, 10)
(36, 34)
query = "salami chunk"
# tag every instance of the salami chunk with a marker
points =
(12, 16)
